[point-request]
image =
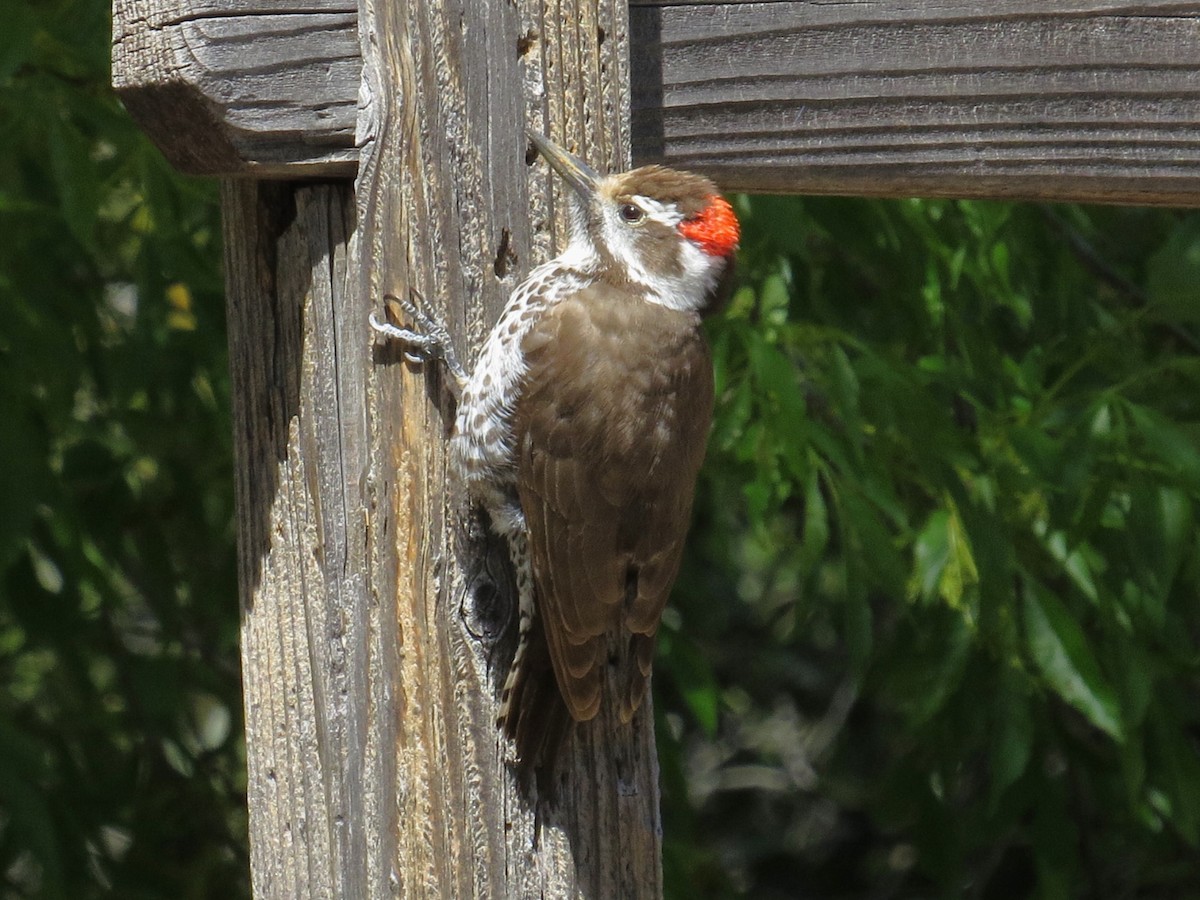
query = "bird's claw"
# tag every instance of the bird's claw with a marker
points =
(429, 340)
(418, 347)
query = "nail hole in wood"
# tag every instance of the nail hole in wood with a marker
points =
(525, 42)
(505, 258)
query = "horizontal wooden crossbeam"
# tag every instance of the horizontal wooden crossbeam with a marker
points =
(1092, 100)
(242, 87)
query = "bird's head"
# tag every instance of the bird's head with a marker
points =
(667, 232)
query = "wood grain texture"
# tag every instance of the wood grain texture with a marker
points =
(1091, 101)
(242, 86)
(449, 205)
(373, 615)
(300, 577)
(309, 632)
(1077, 100)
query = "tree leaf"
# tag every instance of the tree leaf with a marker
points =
(943, 564)
(931, 554)
(1062, 653)
(1179, 774)
(1173, 280)
(1012, 742)
(815, 536)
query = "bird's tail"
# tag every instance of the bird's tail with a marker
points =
(535, 717)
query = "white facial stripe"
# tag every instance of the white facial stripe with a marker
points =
(619, 238)
(680, 291)
(699, 268)
(665, 213)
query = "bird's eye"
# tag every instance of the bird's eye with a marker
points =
(631, 213)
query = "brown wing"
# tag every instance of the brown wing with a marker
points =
(611, 425)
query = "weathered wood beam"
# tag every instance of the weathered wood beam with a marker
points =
(1076, 100)
(372, 610)
(1092, 100)
(242, 87)
(451, 204)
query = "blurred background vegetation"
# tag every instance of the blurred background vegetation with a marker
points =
(938, 630)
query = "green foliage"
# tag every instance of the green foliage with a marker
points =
(120, 760)
(944, 575)
(937, 631)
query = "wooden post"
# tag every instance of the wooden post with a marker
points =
(372, 607)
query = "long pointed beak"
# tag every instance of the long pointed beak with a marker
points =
(578, 174)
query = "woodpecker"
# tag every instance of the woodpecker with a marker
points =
(581, 430)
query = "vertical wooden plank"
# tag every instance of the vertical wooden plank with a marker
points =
(372, 604)
(445, 195)
(302, 670)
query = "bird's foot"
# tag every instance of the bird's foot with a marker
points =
(429, 340)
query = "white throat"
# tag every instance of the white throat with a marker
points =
(686, 290)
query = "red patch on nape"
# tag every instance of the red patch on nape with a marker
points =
(715, 229)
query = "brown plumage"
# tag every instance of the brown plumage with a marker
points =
(608, 430)
(581, 430)
(608, 452)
